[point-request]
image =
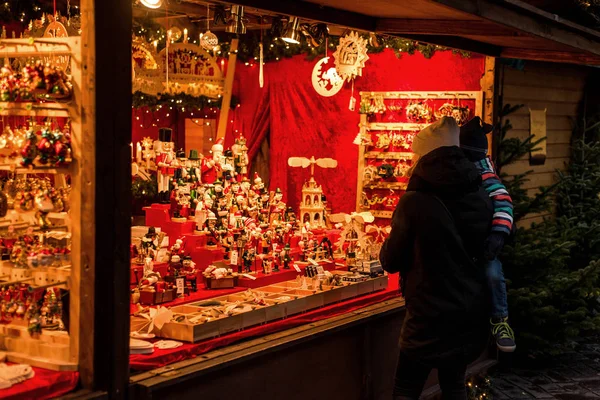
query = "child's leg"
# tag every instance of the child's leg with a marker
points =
(505, 338)
(497, 285)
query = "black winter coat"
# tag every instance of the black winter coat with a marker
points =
(438, 256)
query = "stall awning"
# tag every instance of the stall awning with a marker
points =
(499, 28)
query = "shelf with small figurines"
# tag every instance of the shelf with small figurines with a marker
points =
(388, 123)
(40, 216)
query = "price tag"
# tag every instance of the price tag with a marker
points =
(234, 257)
(180, 286)
(297, 268)
(352, 105)
(252, 277)
(320, 269)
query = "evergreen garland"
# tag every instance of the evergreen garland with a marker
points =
(276, 49)
(182, 101)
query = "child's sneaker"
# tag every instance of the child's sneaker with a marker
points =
(504, 335)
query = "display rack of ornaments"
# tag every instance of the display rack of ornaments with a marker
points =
(39, 118)
(388, 123)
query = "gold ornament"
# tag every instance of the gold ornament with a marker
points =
(350, 56)
(174, 33)
(209, 41)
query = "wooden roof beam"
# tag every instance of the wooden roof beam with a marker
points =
(442, 27)
(458, 43)
(311, 11)
(525, 22)
(551, 56)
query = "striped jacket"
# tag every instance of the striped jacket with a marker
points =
(503, 207)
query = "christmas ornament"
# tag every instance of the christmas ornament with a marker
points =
(45, 147)
(208, 40)
(325, 78)
(350, 56)
(419, 112)
(56, 29)
(29, 151)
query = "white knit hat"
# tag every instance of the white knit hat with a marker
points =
(444, 132)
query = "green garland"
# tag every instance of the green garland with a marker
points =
(181, 101)
(276, 49)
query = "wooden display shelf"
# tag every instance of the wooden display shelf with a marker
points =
(41, 362)
(382, 214)
(394, 126)
(424, 95)
(26, 48)
(389, 155)
(366, 127)
(298, 301)
(35, 170)
(387, 185)
(31, 109)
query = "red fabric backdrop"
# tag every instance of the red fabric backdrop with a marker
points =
(302, 123)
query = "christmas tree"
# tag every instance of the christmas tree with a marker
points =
(552, 268)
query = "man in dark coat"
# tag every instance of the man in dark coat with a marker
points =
(436, 243)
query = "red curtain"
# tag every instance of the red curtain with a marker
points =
(303, 123)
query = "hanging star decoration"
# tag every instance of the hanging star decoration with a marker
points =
(350, 56)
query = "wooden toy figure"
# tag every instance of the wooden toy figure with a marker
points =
(267, 264)
(211, 167)
(240, 156)
(285, 256)
(165, 160)
(189, 269)
(248, 259)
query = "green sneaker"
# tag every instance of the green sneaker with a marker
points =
(505, 337)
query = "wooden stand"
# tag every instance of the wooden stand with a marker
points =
(366, 127)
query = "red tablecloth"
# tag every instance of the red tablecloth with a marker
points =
(44, 385)
(160, 358)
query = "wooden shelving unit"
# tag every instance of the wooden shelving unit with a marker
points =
(81, 215)
(365, 155)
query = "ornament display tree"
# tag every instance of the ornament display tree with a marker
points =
(56, 350)
(388, 123)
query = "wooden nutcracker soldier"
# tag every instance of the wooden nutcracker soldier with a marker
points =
(240, 156)
(248, 258)
(165, 162)
(276, 208)
(211, 167)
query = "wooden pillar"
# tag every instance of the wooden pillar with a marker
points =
(105, 173)
(228, 92)
(488, 81)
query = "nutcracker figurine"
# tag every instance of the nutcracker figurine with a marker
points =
(211, 167)
(285, 256)
(240, 156)
(165, 161)
(248, 257)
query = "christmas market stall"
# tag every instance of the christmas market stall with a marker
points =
(195, 193)
(269, 151)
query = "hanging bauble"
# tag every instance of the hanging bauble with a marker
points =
(45, 147)
(350, 56)
(325, 78)
(175, 33)
(209, 41)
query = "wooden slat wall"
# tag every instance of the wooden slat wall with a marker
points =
(559, 89)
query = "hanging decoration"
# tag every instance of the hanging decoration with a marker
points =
(191, 70)
(208, 40)
(350, 56)
(325, 78)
